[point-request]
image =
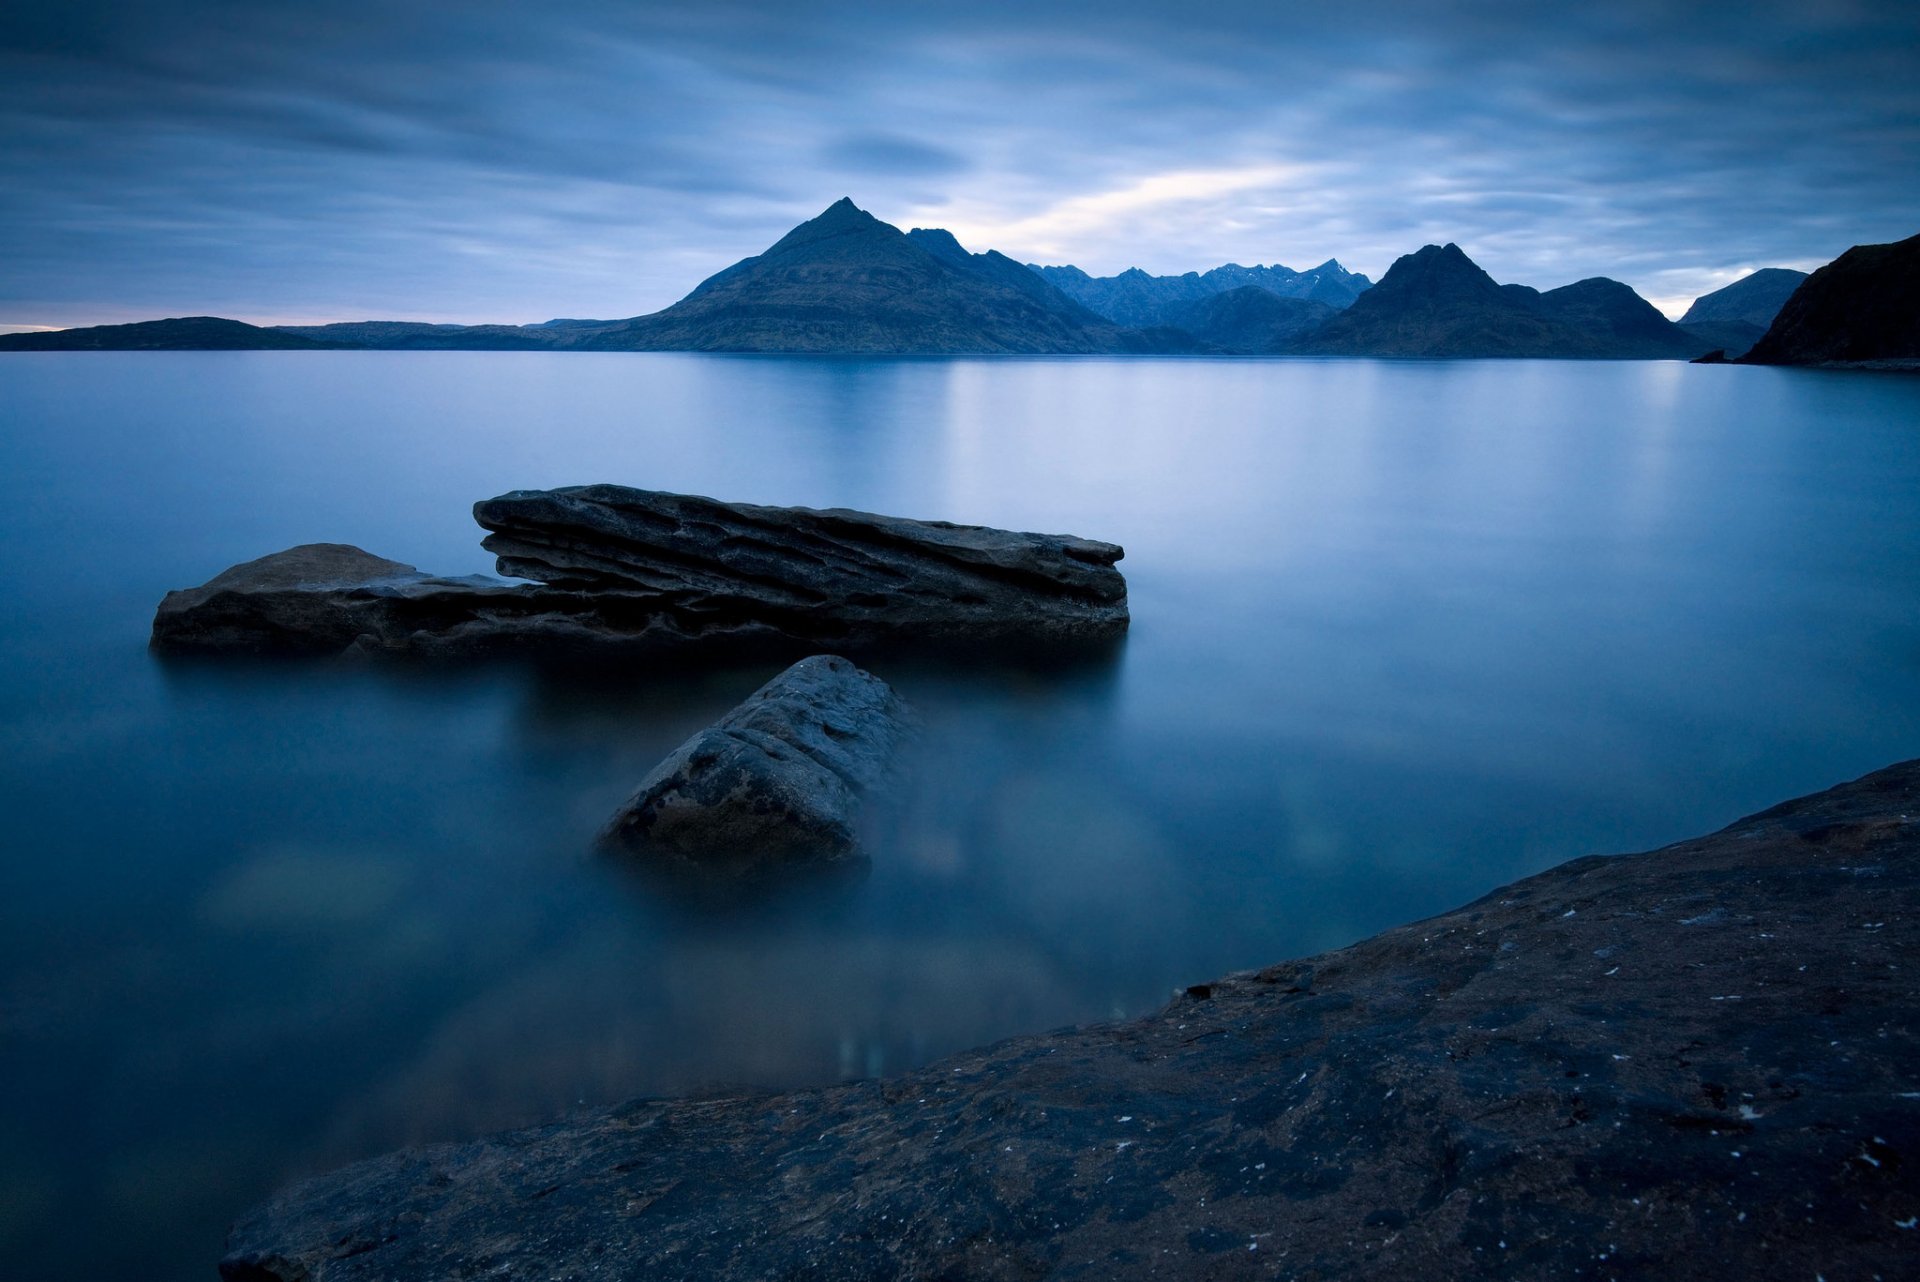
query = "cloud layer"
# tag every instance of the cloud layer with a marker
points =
(488, 160)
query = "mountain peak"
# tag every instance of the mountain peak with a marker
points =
(841, 218)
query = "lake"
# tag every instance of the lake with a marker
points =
(1402, 632)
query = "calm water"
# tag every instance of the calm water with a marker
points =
(1402, 632)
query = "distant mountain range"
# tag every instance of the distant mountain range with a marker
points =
(845, 282)
(1137, 299)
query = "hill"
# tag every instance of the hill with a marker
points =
(178, 334)
(1861, 308)
(1438, 303)
(1736, 316)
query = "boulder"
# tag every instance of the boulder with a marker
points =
(831, 574)
(777, 781)
(1697, 1062)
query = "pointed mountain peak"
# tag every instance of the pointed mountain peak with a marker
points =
(1331, 267)
(841, 218)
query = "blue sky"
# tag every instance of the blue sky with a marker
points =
(495, 160)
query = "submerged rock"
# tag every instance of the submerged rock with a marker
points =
(1695, 1062)
(625, 570)
(827, 573)
(778, 780)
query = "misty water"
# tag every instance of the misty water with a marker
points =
(1402, 632)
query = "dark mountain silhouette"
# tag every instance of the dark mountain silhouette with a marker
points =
(420, 336)
(1861, 308)
(1136, 298)
(1736, 316)
(1249, 321)
(181, 333)
(847, 282)
(1439, 303)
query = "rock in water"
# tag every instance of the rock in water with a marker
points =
(1698, 1062)
(827, 574)
(315, 598)
(634, 572)
(779, 780)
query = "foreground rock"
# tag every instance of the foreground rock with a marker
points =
(636, 571)
(1699, 1062)
(776, 782)
(826, 573)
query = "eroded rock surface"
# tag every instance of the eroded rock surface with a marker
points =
(1695, 1063)
(831, 571)
(622, 570)
(778, 780)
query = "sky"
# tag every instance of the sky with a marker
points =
(490, 160)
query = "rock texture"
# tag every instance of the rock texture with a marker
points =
(1863, 308)
(638, 571)
(778, 781)
(828, 574)
(1696, 1063)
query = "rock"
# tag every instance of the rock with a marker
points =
(634, 572)
(1718, 356)
(1695, 1062)
(315, 598)
(777, 781)
(829, 575)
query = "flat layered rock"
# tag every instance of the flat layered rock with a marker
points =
(829, 573)
(1700, 1062)
(777, 781)
(636, 572)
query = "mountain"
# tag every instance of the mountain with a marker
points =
(1137, 298)
(847, 282)
(1863, 307)
(1736, 316)
(1439, 303)
(408, 336)
(181, 333)
(1249, 320)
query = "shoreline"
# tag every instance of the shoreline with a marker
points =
(1678, 1063)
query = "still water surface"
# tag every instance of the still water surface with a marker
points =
(1402, 632)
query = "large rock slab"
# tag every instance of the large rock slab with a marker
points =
(831, 574)
(1700, 1062)
(625, 571)
(778, 781)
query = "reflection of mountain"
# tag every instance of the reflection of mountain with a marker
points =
(1864, 306)
(1439, 303)
(1736, 316)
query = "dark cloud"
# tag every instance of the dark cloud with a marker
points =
(890, 154)
(493, 159)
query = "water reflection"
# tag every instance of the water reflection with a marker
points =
(1402, 632)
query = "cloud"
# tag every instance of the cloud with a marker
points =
(496, 160)
(893, 155)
